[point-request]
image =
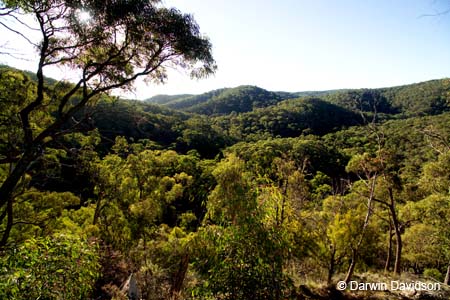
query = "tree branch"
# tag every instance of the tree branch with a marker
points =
(19, 34)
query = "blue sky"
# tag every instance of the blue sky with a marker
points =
(298, 45)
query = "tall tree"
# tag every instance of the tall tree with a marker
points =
(118, 43)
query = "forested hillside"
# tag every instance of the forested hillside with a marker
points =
(425, 98)
(223, 101)
(231, 205)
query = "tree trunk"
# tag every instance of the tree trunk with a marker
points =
(398, 252)
(98, 207)
(9, 223)
(351, 268)
(398, 234)
(447, 275)
(387, 265)
(179, 278)
(331, 267)
(8, 187)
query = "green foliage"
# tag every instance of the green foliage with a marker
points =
(309, 154)
(245, 255)
(205, 138)
(137, 190)
(163, 263)
(422, 247)
(337, 228)
(435, 177)
(136, 121)
(224, 101)
(427, 241)
(362, 100)
(16, 91)
(78, 222)
(290, 118)
(246, 263)
(276, 205)
(55, 267)
(163, 99)
(37, 212)
(232, 200)
(181, 103)
(152, 38)
(433, 273)
(240, 99)
(426, 98)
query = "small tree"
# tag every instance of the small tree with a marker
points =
(243, 248)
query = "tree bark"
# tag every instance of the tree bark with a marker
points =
(331, 266)
(179, 278)
(387, 265)
(8, 186)
(447, 275)
(9, 223)
(398, 252)
(351, 268)
(398, 234)
(98, 207)
(7, 191)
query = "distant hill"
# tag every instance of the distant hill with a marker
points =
(223, 101)
(240, 99)
(247, 111)
(418, 99)
(316, 93)
(186, 103)
(164, 99)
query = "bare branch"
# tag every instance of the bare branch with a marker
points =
(7, 11)
(18, 33)
(23, 23)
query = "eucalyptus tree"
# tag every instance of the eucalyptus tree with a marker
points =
(106, 46)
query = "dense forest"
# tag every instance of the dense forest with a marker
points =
(244, 204)
(238, 193)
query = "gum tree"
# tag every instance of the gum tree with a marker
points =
(118, 43)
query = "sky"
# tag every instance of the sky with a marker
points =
(304, 45)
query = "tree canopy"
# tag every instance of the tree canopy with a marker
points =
(120, 42)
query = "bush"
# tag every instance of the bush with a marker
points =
(54, 267)
(433, 273)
